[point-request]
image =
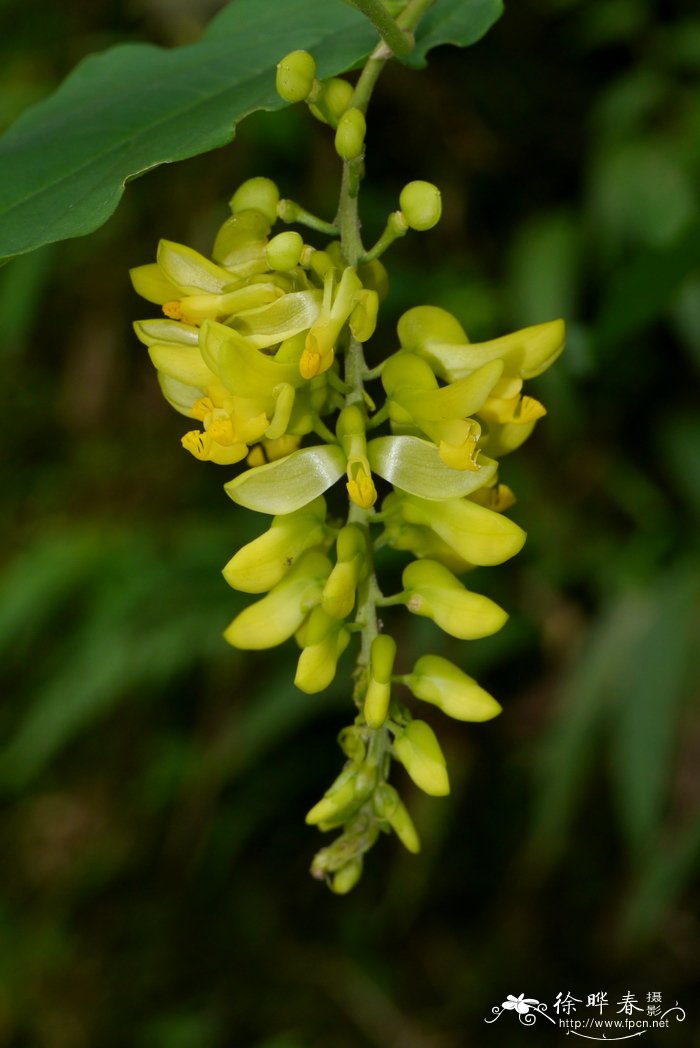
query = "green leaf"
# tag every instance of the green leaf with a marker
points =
(648, 717)
(415, 466)
(673, 863)
(64, 163)
(646, 288)
(290, 482)
(454, 22)
(594, 686)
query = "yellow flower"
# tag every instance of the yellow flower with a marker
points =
(417, 402)
(338, 304)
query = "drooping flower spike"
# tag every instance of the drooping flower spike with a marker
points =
(261, 345)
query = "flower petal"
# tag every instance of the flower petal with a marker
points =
(415, 466)
(288, 483)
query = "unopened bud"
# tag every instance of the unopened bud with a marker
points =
(421, 205)
(295, 76)
(330, 99)
(339, 591)
(388, 805)
(419, 751)
(257, 194)
(284, 251)
(347, 876)
(432, 590)
(440, 682)
(350, 136)
(363, 319)
(429, 324)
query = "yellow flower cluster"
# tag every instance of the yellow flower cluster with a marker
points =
(247, 344)
(250, 346)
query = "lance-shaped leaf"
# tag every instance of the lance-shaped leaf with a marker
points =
(61, 175)
(415, 466)
(290, 482)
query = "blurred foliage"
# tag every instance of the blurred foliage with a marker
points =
(153, 781)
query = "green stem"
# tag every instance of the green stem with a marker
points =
(324, 432)
(396, 227)
(413, 12)
(388, 29)
(291, 212)
(369, 596)
(389, 602)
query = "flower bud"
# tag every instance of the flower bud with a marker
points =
(374, 277)
(433, 591)
(339, 591)
(440, 682)
(407, 371)
(478, 535)
(363, 319)
(350, 135)
(421, 205)
(347, 793)
(262, 563)
(284, 251)
(242, 237)
(324, 641)
(428, 323)
(277, 616)
(351, 423)
(351, 744)
(295, 76)
(421, 541)
(381, 667)
(388, 805)
(336, 802)
(321, 263)
(419, 751)
(345, 879)
(330, 99)
(257, 194)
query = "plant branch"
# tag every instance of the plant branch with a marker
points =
(390, 31)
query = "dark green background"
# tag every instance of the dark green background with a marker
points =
(154, 889)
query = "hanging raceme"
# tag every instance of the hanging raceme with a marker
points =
(261, 347)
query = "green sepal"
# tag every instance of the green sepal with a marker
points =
(290, 482)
